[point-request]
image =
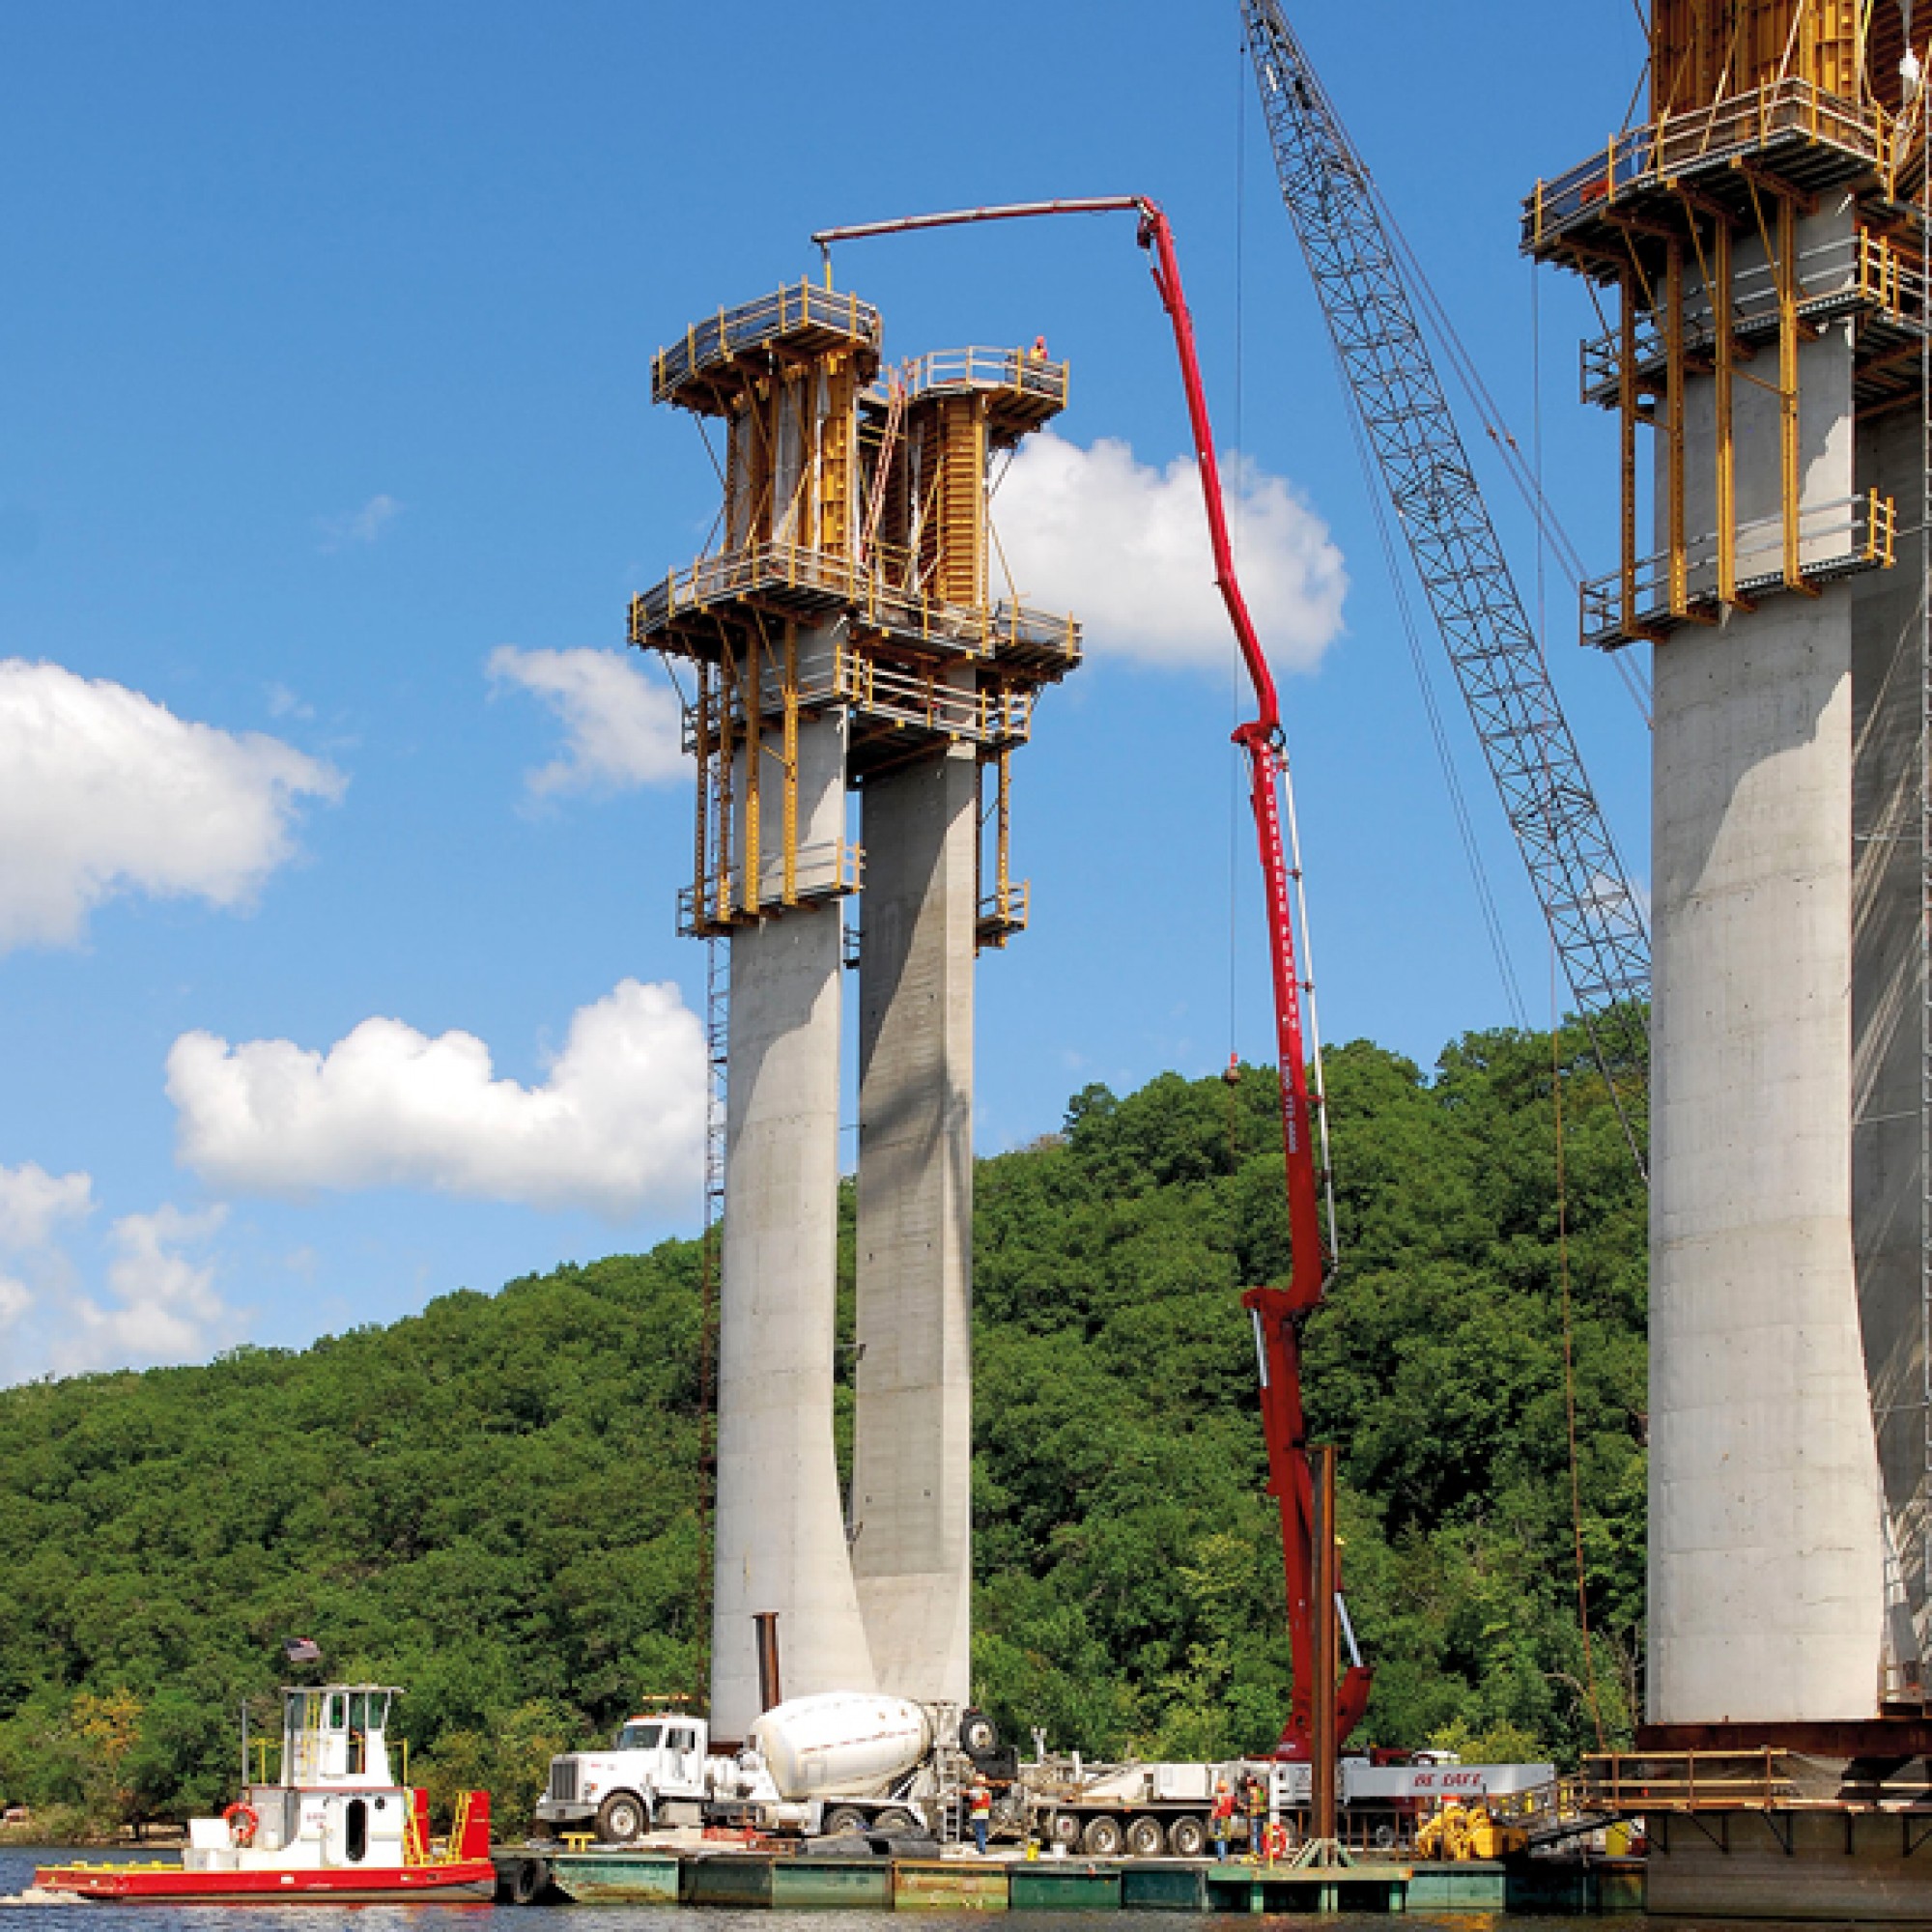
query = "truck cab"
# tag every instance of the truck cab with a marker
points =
(657, 1772)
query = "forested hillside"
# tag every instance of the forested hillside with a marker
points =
(497, 1504)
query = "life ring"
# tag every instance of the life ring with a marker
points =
(243, 1822)
(1274, 1841)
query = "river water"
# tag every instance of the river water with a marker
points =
(16, 1873)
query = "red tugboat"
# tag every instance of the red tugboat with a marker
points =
(336, 1829)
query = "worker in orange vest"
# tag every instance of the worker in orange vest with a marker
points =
(1254, 1801)
(1221, 1820)
(979, 1810)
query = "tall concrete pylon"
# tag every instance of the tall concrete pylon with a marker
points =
(913, 1440)
(843, 636)
(1762, 236)
(778, 1523)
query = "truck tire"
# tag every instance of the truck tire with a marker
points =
(1188, 1837)
(844, 1821)
(1064, 1829)
(978, 1735)
(621, 1818)
(1101, 1837)
(1145, 1839)
(529, 1880)
(893, 1823)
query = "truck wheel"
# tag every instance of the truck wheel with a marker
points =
(894, 1824)
(1102, 1838)
(978, 1735)
(621, 1818)
(846, 1820)
(1064, 1829)
(1145, 1838)
(1187, 1839)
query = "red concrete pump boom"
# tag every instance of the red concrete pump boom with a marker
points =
(1278, 1313)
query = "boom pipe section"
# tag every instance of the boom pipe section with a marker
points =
(1579, 878)
(1278, 1313)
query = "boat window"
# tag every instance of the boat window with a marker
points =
(338, 1712)
(639, 1737)
(357, 1834)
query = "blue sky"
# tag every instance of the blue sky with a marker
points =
(323, 375)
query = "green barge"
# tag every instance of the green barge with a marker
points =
(761, 1880)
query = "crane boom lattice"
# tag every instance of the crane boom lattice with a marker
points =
(1594, 918)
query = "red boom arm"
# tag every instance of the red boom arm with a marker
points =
(1278, 1312)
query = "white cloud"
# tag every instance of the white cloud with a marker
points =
(32, 1200)
(103, 792)
(164, 1307)
(621, 727)
(358, 527)
(1124, 548)
(159, 1305)
(617, 1125)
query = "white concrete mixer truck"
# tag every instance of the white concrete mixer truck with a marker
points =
(840, 1762)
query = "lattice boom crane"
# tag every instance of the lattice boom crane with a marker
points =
(1580, 881)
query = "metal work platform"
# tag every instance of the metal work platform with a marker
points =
(1765, 1789)
(1023, 389)
(1744, 230)
(705, 371)
(1791, 131)
(1863, 276)
(688, 612)
(1836, 540)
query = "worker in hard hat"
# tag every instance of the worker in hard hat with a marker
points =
(1221, 1819)
(980, 1813)
(1254, 1801)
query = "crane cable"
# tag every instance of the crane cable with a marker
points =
(1556, 1090)
(1570, 1355)
(1528, 486)
(1234, 761)
(1458, 804)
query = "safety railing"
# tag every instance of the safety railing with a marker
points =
(1005, 911)
(820, 578)
(826, 868)
(1685, 1781)
(792, 310)
(1018, 371)
(1835, 539)
(1893, 281)
(1862, 270)
(916, 700)
(459, 1829)
(731, 574)
(1680, 143)
(1016, 630)
(927, 702)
